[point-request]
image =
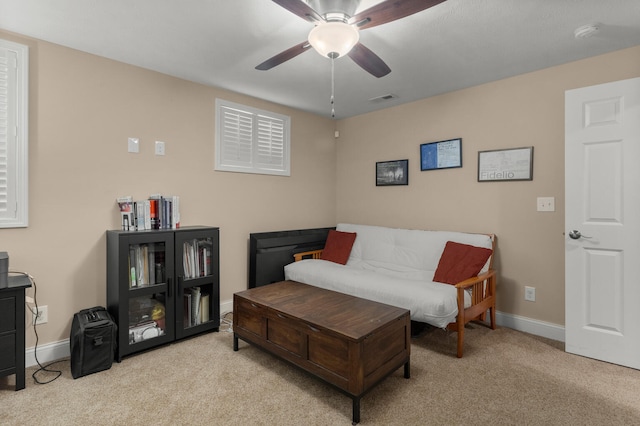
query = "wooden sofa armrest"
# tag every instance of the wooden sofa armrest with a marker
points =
(483, 298)
(477, 279)
(483, 290)
(312, 254)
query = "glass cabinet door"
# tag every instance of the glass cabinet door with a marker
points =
(197, 270)
(150, 291)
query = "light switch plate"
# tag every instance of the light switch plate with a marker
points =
(134, 145)
(159, 148)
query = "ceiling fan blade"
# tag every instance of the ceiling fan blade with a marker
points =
(297, 7)
(281, 57)
(390, 10)
(369, 61)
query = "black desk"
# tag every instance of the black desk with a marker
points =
(12, 328)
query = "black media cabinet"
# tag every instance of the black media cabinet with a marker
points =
(12, 329)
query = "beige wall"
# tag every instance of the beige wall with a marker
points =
(82, 110)
(527, 110)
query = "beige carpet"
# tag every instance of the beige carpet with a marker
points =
(506, 377)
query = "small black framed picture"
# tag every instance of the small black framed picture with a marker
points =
(441, 155)
(390, 173)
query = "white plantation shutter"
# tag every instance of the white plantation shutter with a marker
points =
(270, 142)
(6, 73)
(13, 134)
(249, 140)
(237, 137)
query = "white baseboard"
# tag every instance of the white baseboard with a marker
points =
(58, 350)
(47, 353)
(226, 306)
(531, 326)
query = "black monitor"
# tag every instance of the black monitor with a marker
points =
(269, 252)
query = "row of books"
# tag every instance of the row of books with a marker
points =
(196, 259)
(196, 307)
(157, 212)
(146, 265)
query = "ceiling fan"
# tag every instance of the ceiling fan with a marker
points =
(336, 30)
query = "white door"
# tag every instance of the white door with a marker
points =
(602, 190)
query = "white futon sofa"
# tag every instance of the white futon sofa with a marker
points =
(398, 267)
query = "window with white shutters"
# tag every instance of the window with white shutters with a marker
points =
(14, 60)
(249, 140)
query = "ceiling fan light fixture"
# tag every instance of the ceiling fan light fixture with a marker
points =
(333, 39)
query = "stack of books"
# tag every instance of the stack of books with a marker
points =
(196, 307)
(146, 265)
(156, 212)
(196, 260)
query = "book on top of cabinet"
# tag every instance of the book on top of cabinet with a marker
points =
(156, 212)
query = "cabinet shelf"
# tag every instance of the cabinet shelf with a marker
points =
(147, 292)
(150, 289)
(195, 282)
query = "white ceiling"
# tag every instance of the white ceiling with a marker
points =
(456, 44)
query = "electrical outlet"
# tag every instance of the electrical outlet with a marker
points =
(42, 316)
(546, 204)
(530, 293)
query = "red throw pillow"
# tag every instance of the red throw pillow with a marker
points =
(460, 262)
(338, 246)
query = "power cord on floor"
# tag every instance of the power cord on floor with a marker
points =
(226, 322)
(43, 368)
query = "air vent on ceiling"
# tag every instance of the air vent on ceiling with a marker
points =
(383, 98)
(586, 31)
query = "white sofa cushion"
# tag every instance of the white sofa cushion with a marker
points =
(405, 253)
(429, 302)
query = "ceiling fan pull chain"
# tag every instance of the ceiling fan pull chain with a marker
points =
(333, 111)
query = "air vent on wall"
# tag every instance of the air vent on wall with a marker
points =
(383, 98)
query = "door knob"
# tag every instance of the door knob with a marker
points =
(575, 234)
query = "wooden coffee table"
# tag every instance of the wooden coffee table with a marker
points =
(350, 343)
